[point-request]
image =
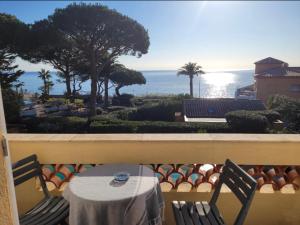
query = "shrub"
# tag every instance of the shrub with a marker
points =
(56, 124)
(125, 114)
(79, 103)
(99, 110)
(97, 127)
(123, 100)
(74, 124)
(247, 121)
(12, 105)
(104, 125)
(181, 97)
(271, 115)
(57, 101)
(163, 111)
(289, 109)
(165, 127)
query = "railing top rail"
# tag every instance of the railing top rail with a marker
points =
(158, 137)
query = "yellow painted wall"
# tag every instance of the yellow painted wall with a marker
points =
(267, 209)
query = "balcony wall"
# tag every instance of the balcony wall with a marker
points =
(266, 209)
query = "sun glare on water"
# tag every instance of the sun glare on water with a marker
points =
(216, 84)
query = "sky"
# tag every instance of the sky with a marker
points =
(219, 36)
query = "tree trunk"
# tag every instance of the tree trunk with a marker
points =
(68, 86)
(45, 86)
(105, 91)
(93, 97)
(191, 86)
(118, 91)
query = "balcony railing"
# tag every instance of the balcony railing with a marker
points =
(274, 208)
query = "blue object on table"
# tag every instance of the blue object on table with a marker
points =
(121, 176)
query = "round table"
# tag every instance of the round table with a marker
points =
(96, 199)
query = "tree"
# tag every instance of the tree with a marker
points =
(125, 77)
(8, 74)
(95, 31)
(190, 69)
(46, 44)
(12, 30)
(105, 74)
(47, 84)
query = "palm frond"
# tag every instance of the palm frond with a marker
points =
(190, 69)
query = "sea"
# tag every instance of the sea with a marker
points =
(164, 82)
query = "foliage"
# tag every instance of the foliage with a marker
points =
(8, 74)
(100, 35)
(46, 44)
(271, 115)
(12, 103)
(104, 77)
(162, 111)
(56, 125)
(126, 114)
(180, 97)
(123, 100)
(11, 30)
(247, 121)
(190, 70)
(104, 125)
(289, 109)
(47, 84)
(125, 77)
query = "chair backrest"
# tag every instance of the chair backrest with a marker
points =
(26, 169)
(240, 183)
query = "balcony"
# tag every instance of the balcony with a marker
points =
(268, 207)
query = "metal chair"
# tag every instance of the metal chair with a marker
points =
(52, 210)
(204, 213)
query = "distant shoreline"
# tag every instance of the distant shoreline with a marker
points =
(208, 71)
(163, 82)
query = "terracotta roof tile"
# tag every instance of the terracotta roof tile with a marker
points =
(280, 71)
(269, 60)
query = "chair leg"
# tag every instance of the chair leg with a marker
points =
(63, 222)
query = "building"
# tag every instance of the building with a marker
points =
(273, 76)
(214, 109)
(246, 92)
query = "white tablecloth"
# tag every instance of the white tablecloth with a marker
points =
(95, 199)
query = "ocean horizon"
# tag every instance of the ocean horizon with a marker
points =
(221, 84)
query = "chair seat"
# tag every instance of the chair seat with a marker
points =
(196, 213)
(49, 211)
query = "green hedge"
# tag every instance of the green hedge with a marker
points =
(271, 115)
(56, 125)
(162, 111)
(123, 100)
(247, 121)
(102, 125)
(126, 114)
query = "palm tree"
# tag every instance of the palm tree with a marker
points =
(190, 69)
(47, 83)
